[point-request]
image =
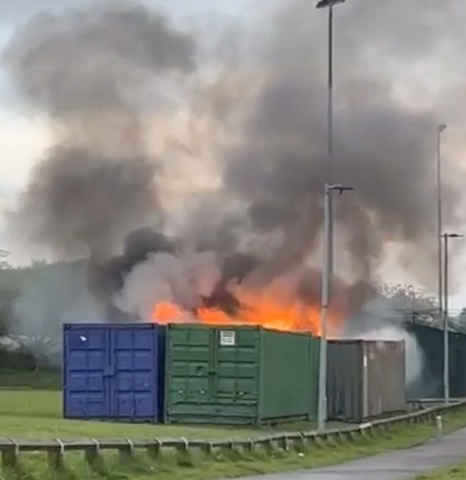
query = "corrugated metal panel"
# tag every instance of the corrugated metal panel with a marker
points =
(212, 374)
(386, 380)
(114, 371)
(314, 363)
(289, 375)
(457, 366)
(238, 375)
(365, 379)
(345, 398)
(429, 384)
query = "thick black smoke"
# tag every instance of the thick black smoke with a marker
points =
(108, 278)
(384, 147)
(86, 71)
(93, 72)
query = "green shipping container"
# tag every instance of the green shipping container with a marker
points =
(240, 375)
(429, 384)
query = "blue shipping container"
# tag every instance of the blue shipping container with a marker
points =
(114, 372)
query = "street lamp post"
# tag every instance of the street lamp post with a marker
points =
(446, 340)
(328, 220)
(442, 127)
(329, 167)
(326, 275)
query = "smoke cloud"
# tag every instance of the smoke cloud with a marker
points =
(384, 147)
(86, 71)
(380, 321)
(96, 73)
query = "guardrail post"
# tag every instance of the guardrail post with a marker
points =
(126, 451)
(183, 446)
(267, 445)
(92, 454)
(284, 443)
(10, 455)
(153, 450)
(207, 448)
(251, 445)
(439, 423)
(299, 444)
(55, 456)
(183, 453)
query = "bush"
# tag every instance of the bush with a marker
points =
(17, 359)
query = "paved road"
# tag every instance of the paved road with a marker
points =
(400, 465)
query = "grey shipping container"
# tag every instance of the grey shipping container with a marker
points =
(365, 379)
(239, 375)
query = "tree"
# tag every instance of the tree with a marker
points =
(409, 297)
(413, 301)
(462, 316)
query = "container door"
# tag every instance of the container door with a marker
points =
(134, 390)
(235, 365)
(86, 384)
(212, 374)
(190, 372)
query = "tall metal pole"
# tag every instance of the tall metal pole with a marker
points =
(322, 406)
(329, 167)
(327, 270)
(446, 343)
(330, 160)
(440, 129)
(325, 301)
(330, 97)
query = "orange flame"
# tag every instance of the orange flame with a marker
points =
(165, 312)
(271, 313)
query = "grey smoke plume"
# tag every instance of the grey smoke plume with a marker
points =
(51, 296)
(380, 320)
(87, 70)
(182, 280)
(383, 147)
(94, 71)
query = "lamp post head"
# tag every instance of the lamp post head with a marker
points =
(328, 3)
(442, 127)
(340, 188)
(452, 235)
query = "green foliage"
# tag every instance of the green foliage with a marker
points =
(462, 316)
(409, 297)
(18, 359)
(12, 281)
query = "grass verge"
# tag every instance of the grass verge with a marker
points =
(195, 465)
(30, 380)
(453, 473)
(37, 413)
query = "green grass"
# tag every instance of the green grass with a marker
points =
(30, 380)
(453, 473)
(37, 414)
(197, 466)
(32, 409)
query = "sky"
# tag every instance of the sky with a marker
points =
(15, 128)
(23, 138)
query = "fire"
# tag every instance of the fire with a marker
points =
(261, 310)
(165, 312)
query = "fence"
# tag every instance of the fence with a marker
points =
(55, 449)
